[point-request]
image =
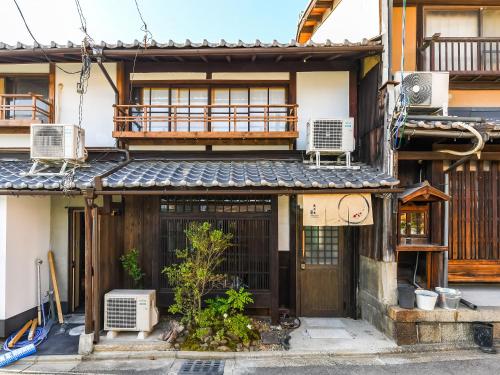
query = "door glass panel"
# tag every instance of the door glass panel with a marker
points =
(180, 98)
(158, 115)
(240, 97)
(258, 97)
(277, 96)
(198, 99)
(491, 22)
(220, 97)
(321, 245)
(445, 22)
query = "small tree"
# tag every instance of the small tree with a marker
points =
(130, 263)
(196, 275)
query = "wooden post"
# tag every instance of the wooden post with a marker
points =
(89, 203)
(96, 284)
(52, 268)
(274, 261)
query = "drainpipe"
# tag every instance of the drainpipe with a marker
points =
(446, 227)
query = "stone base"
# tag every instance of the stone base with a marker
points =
(415, 326)
(86, 344)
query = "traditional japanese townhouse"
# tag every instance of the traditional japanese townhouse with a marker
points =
(452, 150)
(204, 132)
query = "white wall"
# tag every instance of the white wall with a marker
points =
(320, 95)
(97, 105)
(3, 253)
(24, 68)
(14, 140)
(252, 75)
(27, 238)
(340, 26)
(283, 223)
(167, 76)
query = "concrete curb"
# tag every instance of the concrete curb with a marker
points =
(173, 354)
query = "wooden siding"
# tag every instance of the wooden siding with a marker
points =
(474, 222)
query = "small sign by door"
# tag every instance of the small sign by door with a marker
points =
(323, 210)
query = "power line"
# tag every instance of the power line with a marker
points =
(37, 44)
(148, 36)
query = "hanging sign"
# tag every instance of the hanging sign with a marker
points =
(325, 210)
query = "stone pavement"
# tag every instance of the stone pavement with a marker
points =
(339, 336)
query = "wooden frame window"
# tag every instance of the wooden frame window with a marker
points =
(414, 224)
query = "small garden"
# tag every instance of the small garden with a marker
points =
(202, 323)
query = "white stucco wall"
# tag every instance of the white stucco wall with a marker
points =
(97, 105)
(166, 76)
(14, 140)
(339, 24)
(283, 223)
(27, 230)
(320, 95)
(24, 68)
(261, 76)
(3, 253)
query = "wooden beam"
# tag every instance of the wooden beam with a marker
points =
(434, 155)
(89, 204)
(110, 80)
(53, 277)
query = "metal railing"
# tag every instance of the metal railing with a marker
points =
(206, 118)
(21, 109)
(461, 55)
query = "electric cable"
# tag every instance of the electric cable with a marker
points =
(37, 44)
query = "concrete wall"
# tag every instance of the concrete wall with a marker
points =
(377, 291)
(320, 95)
(27, 238)
(338, 25)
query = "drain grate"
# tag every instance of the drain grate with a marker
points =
(199, 367)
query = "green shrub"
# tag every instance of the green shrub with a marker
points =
(130, 263)
(195, 276)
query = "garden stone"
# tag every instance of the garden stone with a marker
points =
(223, 342)
(223, 348)
(177, 346)
(233, 337)
(204, 346)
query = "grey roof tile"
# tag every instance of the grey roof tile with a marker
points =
(289, 174)
(12, 176)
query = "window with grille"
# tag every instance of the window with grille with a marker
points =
(321, 245)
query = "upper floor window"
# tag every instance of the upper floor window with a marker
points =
(222, 109)
(25, 97)
(468, 22)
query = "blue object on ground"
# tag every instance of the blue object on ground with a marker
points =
(14, 355)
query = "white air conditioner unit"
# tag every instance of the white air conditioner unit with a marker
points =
(130, 310)
(330, 136)
(52, 142)
(424, 90)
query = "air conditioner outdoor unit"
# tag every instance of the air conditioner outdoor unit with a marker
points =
(424, 90)
(57, 142)
(330, 136)
(130, 310)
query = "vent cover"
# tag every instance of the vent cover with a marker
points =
(48, 141)
(121, 313)
(418, 88)
(327, 134)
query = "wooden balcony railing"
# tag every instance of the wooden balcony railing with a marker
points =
(207, 122)
(471, 56)
(21, 110)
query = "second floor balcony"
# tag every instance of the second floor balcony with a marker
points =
(472, 56)
(19, 111)
(206, 124)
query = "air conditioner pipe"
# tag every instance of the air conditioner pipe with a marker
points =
(444, 118)
(410, 132)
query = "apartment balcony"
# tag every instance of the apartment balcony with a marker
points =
(206, 124)
(19, 111)
(469, 60)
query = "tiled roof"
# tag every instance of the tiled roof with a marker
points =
(288, 174)
(12, 176)
(452, 125)
(177, 174)
(189, 44)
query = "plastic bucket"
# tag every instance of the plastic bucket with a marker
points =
(448, 298)
(406, 296)
(426, 299)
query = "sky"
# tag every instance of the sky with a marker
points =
(111, 20)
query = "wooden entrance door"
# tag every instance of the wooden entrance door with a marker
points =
(320, 272)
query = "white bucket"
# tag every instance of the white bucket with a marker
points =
(426, 299)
